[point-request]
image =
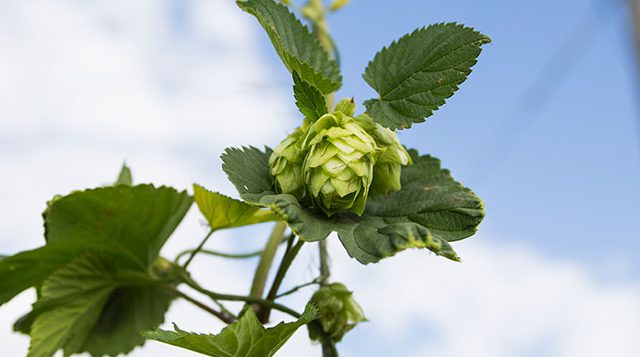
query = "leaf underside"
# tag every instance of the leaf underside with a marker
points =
(244, 338)
(226, 212)
(416, 74)
(430, 210)
(96, 293)
(299, 50)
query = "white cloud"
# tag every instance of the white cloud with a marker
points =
(167, 85)
(501, 301)
(86, 85)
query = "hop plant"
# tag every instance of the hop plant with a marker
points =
(339, 312)
(101, 256)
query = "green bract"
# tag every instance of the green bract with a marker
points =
(338, 166)
(285, 165)
(339, 312)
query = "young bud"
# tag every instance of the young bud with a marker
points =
(339, 312)
(347, 106)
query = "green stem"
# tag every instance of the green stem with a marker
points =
(221, 254)
(216, 253)
(266, 259)
(287, 260)
(228, 297)
(197, 250)
(285, 264)
(296, 288)
(329, 349)
(220, 315)
(325, 272)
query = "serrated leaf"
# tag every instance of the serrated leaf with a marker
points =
(299, 50)
(225, 212)
(309, 100)
(124, 177)
(248, 169)
(81, 308)
(129, 224)
(415, 75)
(430, 210)
(244, 338)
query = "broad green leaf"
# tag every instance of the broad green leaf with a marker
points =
(430, 210)
(90, 304)
(415, 75)
(248, 170)
(124, 177)
(244, 338)
(74, 295)
(225, 212)
(309, 100)
(131, 221)
(299, 50)
(27, 269)
(129, 224)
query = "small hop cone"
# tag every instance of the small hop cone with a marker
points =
(392, 156)
(285, 165)
(338, 168)
(339, 312)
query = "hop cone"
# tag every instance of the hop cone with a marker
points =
(339, 312)
(285, 165)
(338, 167)
(392, 156)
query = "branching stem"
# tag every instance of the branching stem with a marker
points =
(298, 287)
(287, 259)
(224, 317)
(266, 259)
(228, 297)
(197, 250)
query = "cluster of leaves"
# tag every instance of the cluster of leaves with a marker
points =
(100, 278)
(413, 77)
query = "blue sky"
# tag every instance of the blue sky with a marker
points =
(545, 131)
